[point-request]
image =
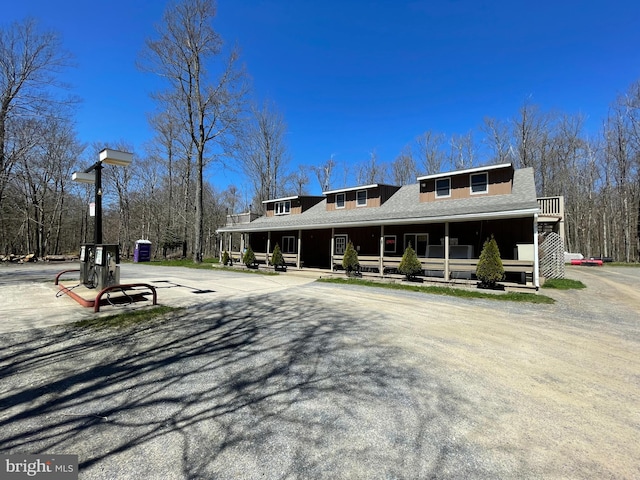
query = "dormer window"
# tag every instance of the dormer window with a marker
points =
(283, 208)
(361, 198)
(443, 187)
(340, 200)
(479, 183)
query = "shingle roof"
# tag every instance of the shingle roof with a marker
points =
(404, 207)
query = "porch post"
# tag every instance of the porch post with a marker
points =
(381, 267)
(241, 245)
(298, 264)
(333, 231)
(446, 251)
(561, 226)
(266, 255)
(221, 246)
(536, 270)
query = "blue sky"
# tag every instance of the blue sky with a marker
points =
(351, 77)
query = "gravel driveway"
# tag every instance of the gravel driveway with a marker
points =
(332, 381)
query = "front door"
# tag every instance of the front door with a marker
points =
(340, 244)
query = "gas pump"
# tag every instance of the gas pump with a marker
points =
(107, 265)
(87, 265)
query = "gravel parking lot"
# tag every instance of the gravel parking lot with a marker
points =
(310, 380)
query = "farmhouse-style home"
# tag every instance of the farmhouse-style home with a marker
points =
(445, 217)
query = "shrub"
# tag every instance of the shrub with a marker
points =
(226, 259)
(490, 270)
(350, 261)
(410, 266)
(249, 257)
(277, 259)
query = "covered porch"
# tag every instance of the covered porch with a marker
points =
(448, 251)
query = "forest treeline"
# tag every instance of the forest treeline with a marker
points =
(205, 120)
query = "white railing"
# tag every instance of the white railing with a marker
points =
(429, 265)
(551, 206)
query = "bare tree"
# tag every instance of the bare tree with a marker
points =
(429, 152)
(231, 200)
(371, 171)
(263, 152)
(324, 173)
(298, 181)
(631, 103)
(30, 64)
(173, 147)
(41, 175)
(403, 168)
(498, 139)
(621, 156)
(208, 104)
(463, 151)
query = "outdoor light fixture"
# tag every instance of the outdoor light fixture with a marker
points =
(83, 177)
(93, 174)
(115, 157)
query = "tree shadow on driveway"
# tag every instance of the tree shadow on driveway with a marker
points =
(273, 387)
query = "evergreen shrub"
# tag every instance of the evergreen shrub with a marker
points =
(350, 261)
(490, 269)
(410, 266)
(277, 260)
(249, 257)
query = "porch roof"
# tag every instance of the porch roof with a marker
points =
(404, 207)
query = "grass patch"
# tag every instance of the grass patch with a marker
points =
(563, 284)
(125, 319)
(448, 291)
(206, 264)
(623, 264)
(248, 270)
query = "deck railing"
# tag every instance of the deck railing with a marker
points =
(435, 267)
(432, 267)
(551, 206)
(261, 257)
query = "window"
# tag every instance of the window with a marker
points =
(283, 208)
(361, 198)
(443, 187)
(339, 200)
(389, 244)
(340, 244)
(288, 244)
(479, 183)
(418, 241)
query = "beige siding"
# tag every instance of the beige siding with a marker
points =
(373, 199)
(298, 205)
(500, 182)
(270, 212)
